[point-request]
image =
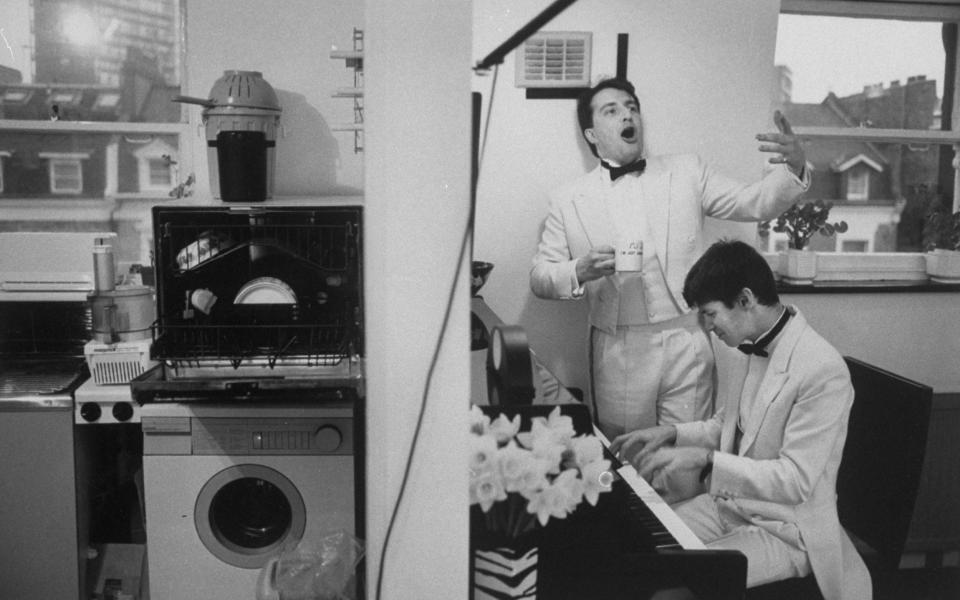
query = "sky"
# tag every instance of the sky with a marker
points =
(843, 55)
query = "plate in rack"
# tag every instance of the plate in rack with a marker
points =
(265, 290)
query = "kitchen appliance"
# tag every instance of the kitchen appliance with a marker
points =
(44, 324)
(286, 321)
(122, 316)
(228, 486)
(253, 418)
(241, 115)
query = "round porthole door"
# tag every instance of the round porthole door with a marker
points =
(246, 513)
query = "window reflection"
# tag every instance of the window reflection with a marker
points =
(114, 66)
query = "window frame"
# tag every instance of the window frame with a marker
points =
(64, 159)
(918, 10)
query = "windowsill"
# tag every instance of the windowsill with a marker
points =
(866, 287)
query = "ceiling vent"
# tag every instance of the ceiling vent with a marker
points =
(553, 59)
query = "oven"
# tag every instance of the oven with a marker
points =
(253, 416)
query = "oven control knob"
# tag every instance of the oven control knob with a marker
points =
(122, 411)
(327, 438)
(90, 411)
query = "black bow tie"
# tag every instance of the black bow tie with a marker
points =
(759, 348)
(618, 172)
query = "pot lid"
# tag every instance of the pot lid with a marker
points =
(237, 89)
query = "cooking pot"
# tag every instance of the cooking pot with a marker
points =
(241, 114)
(123, 314)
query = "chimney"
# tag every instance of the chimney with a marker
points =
(895, 83)
(873, 91)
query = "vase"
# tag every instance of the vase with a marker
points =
(798, 266)
(505, 573)
(943, 266)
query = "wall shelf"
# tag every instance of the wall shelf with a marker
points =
(354, 60)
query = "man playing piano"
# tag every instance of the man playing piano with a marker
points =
(760, 475)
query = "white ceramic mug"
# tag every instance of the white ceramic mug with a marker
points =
(629, 255)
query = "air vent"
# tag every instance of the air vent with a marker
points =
(555, 59)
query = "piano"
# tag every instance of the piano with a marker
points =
(630, 546)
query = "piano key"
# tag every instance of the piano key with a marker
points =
(654, 502)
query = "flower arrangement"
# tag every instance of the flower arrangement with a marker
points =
(519, 479)
(941, 228)
(801, 221)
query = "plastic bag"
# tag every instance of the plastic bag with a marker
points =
(313, 570)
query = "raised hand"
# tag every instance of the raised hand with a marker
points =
(785, 145)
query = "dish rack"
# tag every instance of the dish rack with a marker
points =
(312, 253)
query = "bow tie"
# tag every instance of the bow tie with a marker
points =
(618, 172)
(759, 348)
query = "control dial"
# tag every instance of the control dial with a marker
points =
(122, 411)
(90, 411)
(327, 438)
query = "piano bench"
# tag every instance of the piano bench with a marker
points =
(797, 588)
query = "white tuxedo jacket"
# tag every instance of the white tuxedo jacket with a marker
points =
(680, 191)
(786, 467)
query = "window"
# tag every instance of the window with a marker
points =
(3, 156)
(66, 172)
(853, 246)
(866, 86)
(858, 184)
(159, 173)
(79, 95)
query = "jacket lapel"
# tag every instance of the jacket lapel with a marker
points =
(655, 189)
(592, 211)
(775, 377)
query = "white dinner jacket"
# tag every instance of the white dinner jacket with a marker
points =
(786, 467)
(680, 190)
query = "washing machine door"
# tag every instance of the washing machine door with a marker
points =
(247, 513)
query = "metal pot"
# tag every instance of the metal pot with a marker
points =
(123, 314)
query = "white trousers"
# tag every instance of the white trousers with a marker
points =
(774, 551)
(641, 378)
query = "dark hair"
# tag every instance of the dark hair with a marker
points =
(724, 270)
(585, 112)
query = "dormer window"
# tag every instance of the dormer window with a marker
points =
(155, 162)
(66, 171)
(856, 172)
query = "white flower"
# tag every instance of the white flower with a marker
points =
(483, 453)
(586, 449)
(596, 479)
(504, 429)
(479, 422)
(557, 499)
(485, 489)
(521, 470)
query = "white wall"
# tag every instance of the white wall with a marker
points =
(289, 41)
(702, 71)
(916, 335)
(417, 197)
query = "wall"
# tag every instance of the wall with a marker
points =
(289, 41)
(916, 335)
(702, 71)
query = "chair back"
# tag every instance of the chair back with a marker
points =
(880, 470)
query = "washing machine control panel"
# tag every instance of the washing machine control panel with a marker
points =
(240, 436)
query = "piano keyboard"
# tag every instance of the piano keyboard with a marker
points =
(666, 529)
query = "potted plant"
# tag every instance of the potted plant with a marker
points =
(519, 480)
(800, 222)
(941, 240)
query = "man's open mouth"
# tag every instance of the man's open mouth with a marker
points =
(629, 133)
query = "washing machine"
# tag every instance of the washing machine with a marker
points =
(228, 486)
